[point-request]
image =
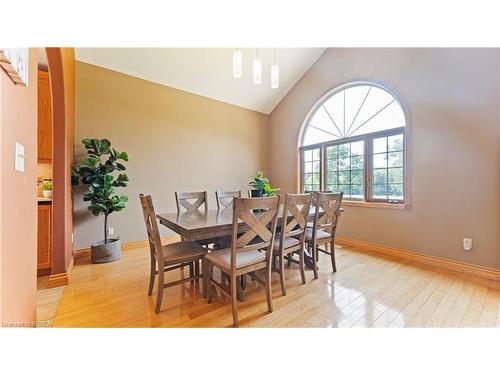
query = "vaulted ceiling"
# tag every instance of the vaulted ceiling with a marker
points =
(208, 71)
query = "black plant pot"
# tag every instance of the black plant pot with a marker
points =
(256, 194)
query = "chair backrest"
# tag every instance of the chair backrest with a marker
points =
(315, 194)
(225, 198)
(326, 212)
(295, 213)
(185, 200)
(148, 210)
(261, 225)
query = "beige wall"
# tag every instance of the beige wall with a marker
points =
(453, 98)
(18, 204)
(175, 141)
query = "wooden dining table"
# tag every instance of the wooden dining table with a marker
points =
(200, 225)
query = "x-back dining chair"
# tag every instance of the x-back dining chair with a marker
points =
(169, 257)
(225, 198)
(185, 199)
(250, 251)
(326, 215)
(292, 234)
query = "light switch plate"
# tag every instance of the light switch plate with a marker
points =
(19, 164)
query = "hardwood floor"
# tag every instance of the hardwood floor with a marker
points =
(369, 290)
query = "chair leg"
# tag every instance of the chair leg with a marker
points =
(191, 271)
(269, 295)
(301, 265)
(234, 300)
(152, 276)
(210, 275)
(282, 274)
(332, 256)
(314, 254)
(161, 283)
(205, 274)
(196, 267)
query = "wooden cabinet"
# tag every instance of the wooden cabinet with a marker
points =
(44, 236)
(44, 118)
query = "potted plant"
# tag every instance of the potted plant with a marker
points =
(258, 184)
(97, 173)
(47, 189)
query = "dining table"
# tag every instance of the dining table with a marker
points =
(197, 225)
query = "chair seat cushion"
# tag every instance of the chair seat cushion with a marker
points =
(182, 251)
(289, 242)
(320, 234)
(222, 258)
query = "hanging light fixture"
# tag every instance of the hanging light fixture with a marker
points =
(257, 69)
(275, 73)
(237, 63)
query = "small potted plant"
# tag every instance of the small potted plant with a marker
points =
(96, 172)
(47, 189)
(258, 184)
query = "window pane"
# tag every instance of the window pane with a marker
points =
(357, 148)
(379, 145)
(308, 178)
(344, 150)
(357, 177)
(357, 191)
(316, 154)
(380, 161)
(331, 152)
(357, 162)
(308, 167)
(344, 177)
(395, 191)
(316, 166)
(346, 189)
(395, 142)
(395, 175)
(332, 165)
(344, 164)
(380, 176)
(316, 178)
(380, 191)
(308, 155)
(315, 188)
(396, 159)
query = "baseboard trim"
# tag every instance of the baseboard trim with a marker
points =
(85, 252)
(58, 279)
(467, 268)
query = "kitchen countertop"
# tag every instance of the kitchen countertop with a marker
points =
(44, 200)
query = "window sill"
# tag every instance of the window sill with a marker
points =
(394, 206)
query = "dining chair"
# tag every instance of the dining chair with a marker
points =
(169, 257)
(225, 198)
(185, 199)
(250, 250)
(292, 234)
(326, 214)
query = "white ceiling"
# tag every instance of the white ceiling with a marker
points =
(208, 71)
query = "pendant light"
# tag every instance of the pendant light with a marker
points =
(237, 63)
(257, 69)
(275, 73)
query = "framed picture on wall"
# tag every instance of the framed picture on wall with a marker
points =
(15, 62)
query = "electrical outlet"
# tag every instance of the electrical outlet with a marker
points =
(111, 231)
(467, 244)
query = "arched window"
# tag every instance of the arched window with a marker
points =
(354, 141)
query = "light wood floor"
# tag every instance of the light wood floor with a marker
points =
(367, 291)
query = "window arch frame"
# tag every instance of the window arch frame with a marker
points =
(367, 201)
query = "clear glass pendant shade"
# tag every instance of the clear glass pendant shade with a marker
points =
(237, 63)
(275, 76)
(257, 71)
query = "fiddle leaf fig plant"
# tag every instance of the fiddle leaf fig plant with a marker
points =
(97, 172)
